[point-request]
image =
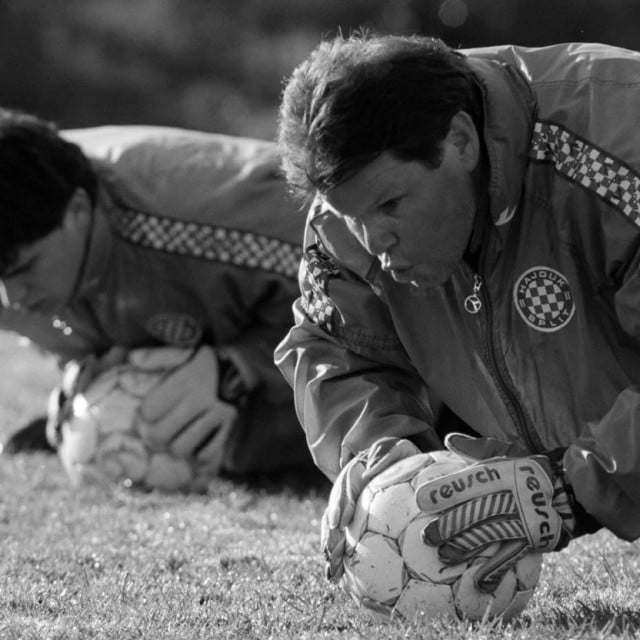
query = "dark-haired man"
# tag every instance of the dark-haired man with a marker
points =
(474, 244)
(133, 236)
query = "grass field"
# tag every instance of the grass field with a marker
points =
(241, 562)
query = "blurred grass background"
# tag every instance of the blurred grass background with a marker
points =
(218, 65)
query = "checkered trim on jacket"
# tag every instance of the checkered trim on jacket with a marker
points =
(318, 270)
(207, 242)
(580, 161)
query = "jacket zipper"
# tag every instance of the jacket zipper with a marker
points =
(473, 303)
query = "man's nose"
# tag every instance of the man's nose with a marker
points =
(378, 239)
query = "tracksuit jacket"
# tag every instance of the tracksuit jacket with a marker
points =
(193, 241)
(537, 341)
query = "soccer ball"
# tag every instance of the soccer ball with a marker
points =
(389, 570)
(101, 441)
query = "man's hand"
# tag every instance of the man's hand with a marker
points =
(520, 502)
(185, 413)
(346, 490)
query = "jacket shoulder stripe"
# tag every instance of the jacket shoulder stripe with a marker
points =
(587, 165)
(207, 242)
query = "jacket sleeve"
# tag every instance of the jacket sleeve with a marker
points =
(353, 382)
(603, 465)
(252, 351)
(584, 88)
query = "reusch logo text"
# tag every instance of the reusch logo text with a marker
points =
(481, 475)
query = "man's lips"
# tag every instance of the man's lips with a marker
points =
(389, 267)
(401, 273)
(398, 271)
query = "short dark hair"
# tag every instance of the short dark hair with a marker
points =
(39, 171)
(354, 98)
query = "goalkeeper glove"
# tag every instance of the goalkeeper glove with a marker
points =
(522, 502)
(186, 413)
(346, 490)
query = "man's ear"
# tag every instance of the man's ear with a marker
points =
(77, 213)
(463, 135)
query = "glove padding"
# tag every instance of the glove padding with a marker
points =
(353, 478)
(184, 413)
(520, 502)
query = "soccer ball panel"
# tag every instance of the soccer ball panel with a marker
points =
(391, 508)
(421, 559)
(474, 604)
(123, 457)
(102, 440)
(528, 571)
(420, 599)
(115, 412)
(376, 568)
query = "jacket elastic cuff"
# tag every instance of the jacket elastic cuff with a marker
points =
(584, 522)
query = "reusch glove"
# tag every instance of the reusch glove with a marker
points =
(522, 502)
(77, 375)
(185, 412)
(346, 490)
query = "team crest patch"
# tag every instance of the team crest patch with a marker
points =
(543, 299)
(175, 328)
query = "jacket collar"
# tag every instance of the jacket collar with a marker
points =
(509, 110)
(335, 238)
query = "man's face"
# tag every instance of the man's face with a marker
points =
(417, 221)
(43, 277)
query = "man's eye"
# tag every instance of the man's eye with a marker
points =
(389, 206)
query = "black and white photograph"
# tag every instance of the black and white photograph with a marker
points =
(320, 319)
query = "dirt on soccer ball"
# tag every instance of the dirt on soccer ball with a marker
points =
(390, 571)
(101, 441)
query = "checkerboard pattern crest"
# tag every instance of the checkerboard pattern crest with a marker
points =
(220, 244)
(543, 299)
(318, 269)
(590, 167)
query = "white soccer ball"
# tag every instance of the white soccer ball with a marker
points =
(101, 441)
(389, 570)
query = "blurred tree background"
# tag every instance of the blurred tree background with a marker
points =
(218, 65)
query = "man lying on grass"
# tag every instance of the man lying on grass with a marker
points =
(134, 237)
(473, 243)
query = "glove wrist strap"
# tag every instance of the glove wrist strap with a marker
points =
(581, 522)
